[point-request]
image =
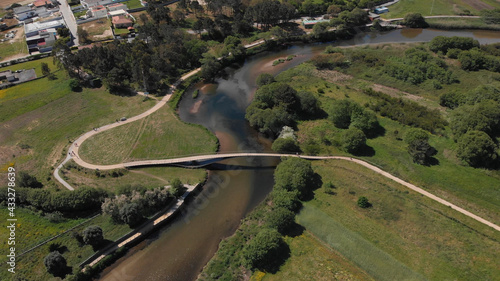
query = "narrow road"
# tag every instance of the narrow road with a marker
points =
(69, 18)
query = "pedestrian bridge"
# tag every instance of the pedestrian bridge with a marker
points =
(204, 160)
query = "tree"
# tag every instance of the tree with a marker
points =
(356, 17)
(281, 219)
(74, 84)
(45, 69)
(83, 35)
(56, 264)
(285, 145)
(477, 149)
(415, 134)
(209, 68)
(92, 235)
(363, 202)
(418, 146)
(333, 10)
(283, 198)
(342, 111)
(263, 248)
(26, 180)
(294, 174)
(265, 79)
(177, 189)
(415, 20)
(63, 32)
(130, 214)
(353, 140)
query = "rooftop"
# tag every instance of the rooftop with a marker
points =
(117, 13)
(121, 19)
(40, 3)
(98, 8)
(37, 26)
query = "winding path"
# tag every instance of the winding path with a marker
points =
(73, 153)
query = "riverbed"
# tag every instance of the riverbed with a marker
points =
(179, 251)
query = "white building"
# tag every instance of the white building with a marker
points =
(92, 3)
(98, 12)
(116, 7)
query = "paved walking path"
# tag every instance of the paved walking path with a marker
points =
(141, 232)
(74, 149)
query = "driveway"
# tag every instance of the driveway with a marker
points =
(69, 18)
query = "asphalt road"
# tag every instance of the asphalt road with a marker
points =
(69, 18)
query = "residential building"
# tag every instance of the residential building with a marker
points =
(98, 12)
(24, 12)
(92, 3)
(43, 3)
(116, 7)
(122, 22)
(41, 36)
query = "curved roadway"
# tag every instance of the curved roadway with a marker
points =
(73, 153)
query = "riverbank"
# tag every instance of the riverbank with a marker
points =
(98, 261)
(461, 23)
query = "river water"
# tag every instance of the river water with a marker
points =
(179, 251)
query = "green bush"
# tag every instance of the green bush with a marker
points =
(353, 140)
(262, 249)
(285, 145)
(363, 202)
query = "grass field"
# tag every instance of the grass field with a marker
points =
(438, 7)
(12, 47)
(402, 227)
(473, 189)
(36, 64)
(45, 114)
(133, 4)
(98, 29)
(31, 264)
(149, 177)
(159, 135)
(461, 23)
(311, 259)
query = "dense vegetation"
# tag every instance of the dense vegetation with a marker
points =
(276, 105)
(259, 243)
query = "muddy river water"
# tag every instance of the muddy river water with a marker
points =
(179, 251)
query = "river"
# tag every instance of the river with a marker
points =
(179, 251)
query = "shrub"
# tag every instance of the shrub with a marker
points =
(363, 202)
(262, 249)
(285, 145)
(177, 189)
(265, 79)
(55, 264)
(353, 140)
(281, 219)
(74, 85)
(92, 235)
(477, 149)
(294, 174)
(415, 20)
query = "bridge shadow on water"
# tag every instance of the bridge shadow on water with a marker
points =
(228, 167)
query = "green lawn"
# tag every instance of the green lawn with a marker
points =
(473, 189)
(133, 4)
(310, 259)
(461, 23)
(150, 177)
(36, 64)
(412, 234)
(437, 7)
(160, 135)
(31, 264)
(10, 48)
(44, 114)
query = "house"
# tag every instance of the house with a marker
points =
(116, 7)
(308, 24)
(43, 41)
(24, 12)
(122, 22)
(381, 10)
(92, 3)
(41, 36)
(43, 3)
(98, 12)
(373, 16)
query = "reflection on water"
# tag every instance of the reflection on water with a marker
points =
(411, 32)
(178, 252)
